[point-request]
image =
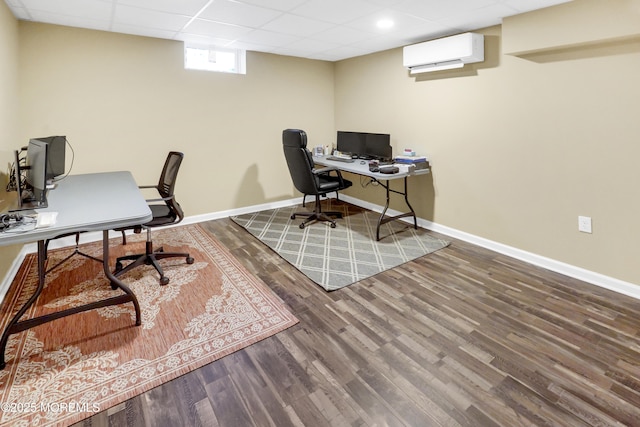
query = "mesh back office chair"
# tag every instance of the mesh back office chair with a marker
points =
(309, 180)
(166, 213)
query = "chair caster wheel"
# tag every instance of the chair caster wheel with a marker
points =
(164, 281)
(190, 260)
(301, 226)
(293, 217)
(333, 225)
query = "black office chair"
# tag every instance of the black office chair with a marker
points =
(309, 180)
(166, 213)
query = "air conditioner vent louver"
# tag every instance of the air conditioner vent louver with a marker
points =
(444, 53)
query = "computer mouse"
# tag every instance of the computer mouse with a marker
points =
(362, 162)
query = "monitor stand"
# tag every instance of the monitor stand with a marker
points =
(35, 199)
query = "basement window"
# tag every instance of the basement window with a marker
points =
(210, 58)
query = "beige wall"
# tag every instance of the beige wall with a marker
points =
(8, 113)
(125, 101)
(519, 147)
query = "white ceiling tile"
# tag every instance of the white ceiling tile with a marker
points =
(335, 11)
(203, 40)
(89, 9)
(343, 35)
(436, 10)
(400, 20)
(378, 43)
(135, 16)
(233, 12)
(385, 3)
(298, 25)
(342, 53)
(473, 19)
(283, 5)
(527, 5)
(70, 21)
(143, 31)
(216, 29)
(288, 52)
(427, 31)
(244, 45)
(181, 7)
(268, 38)
(310, 45)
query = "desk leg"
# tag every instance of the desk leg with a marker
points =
(383, 220)
(115, 282)
(13, 326)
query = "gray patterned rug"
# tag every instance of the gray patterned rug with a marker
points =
(337, 257)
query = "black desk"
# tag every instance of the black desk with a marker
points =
(91, 202)
(383, 179)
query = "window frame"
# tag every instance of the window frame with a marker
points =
(239, 63)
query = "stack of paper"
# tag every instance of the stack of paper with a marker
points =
(420, 162)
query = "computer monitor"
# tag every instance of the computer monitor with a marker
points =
(55, 156)
(365, 144)
(350, 142)
(378, 146)
(34, 194)
(17, 178)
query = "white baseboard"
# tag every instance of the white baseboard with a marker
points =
(588, 276)
(11, 273)
(607, 282)
(241, 211)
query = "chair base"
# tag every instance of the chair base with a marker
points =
(318, 215)
(150, 257)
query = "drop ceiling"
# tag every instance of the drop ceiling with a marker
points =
(328, 30)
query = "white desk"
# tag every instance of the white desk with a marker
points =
(361, 167)
(91, 202)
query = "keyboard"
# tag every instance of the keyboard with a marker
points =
(341, 159)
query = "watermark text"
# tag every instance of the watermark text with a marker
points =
(51, 407)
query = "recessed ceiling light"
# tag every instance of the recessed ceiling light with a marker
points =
(384, 24)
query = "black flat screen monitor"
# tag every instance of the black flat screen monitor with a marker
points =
(55, 156)
(17, 178)
(378, 146)
(34, 194)
(350, 143)
(365, 144)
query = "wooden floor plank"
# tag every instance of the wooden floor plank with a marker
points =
(461, 337)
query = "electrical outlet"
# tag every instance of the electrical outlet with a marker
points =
(584, 224)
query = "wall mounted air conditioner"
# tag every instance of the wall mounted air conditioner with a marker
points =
(444, 53)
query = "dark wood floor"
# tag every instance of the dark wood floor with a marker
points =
(461, 337)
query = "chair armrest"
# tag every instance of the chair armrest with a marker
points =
(162, 199)
(327, 170)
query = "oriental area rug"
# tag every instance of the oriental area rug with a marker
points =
(66, 370)
(337, 257)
